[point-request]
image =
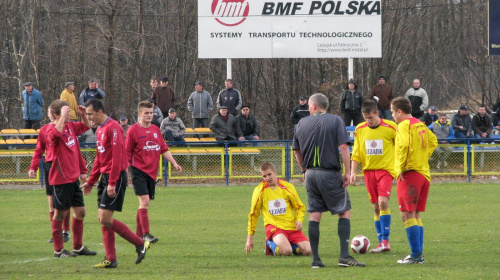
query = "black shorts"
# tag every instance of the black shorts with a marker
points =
(46, 169)
(325, 191)
(142, 182)
(68, 195)
(106, 202)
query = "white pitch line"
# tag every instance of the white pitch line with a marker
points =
(27, 261)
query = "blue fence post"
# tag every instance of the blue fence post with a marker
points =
(288, 173)
(469, 161)
(226, 162)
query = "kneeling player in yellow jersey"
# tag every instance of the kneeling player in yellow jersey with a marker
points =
(374, 149)
(282, 211)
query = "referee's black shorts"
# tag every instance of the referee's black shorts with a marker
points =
(106, 202)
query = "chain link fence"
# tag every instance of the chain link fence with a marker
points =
(225, 163)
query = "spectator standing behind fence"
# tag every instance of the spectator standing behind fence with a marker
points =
(157, 114)
(163, 96)
(300, 111)
(68, 95)
(230, 98)
(443, 129)
(382, 93)
(430, 117)
(482, 124)
(249, 125)
(225, 126)
(89, 135)
(350, 104)
(172, 128)
(154, 83)
(92, 92)
(418, 98)
(32, 106)
(124, 124)
(200, 104)
(462, 123)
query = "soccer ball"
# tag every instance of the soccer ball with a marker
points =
(360, 244)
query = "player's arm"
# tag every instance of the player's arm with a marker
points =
(37, 155)
(432, 142)
(130, 145)
(94, 176)
(355, 158)
(61, 121)
(255, 208)
(346, 159)
(85, 120)
(402, 146)
(168, 156)
(300, 160)
(116, 159)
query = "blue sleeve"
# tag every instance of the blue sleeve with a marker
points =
(452, 133)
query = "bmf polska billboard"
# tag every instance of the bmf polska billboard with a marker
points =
(289, 29)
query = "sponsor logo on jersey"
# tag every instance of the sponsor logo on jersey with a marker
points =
(151, 146)
(277, 207)
(115, 135)
(71, 142)
(100, 147)
(155, 135)
(374, 147)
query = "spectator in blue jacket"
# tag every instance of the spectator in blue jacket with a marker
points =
(443, 130)
(32, 106)
(92, 92)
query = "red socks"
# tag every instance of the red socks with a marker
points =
(66, 221)
(57, 235)
(144, 219)
(108, 239)
(77, 227)
(126, 233)
(138, 229)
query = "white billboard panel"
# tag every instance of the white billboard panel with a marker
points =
(294, 29)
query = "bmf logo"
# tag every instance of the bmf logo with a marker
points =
(230, 12)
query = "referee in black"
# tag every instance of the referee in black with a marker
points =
(316, 146)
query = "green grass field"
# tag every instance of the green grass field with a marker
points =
(202, 233)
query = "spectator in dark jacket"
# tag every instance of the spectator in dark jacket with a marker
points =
(496, 120)
(462, 123)
(92, 92)
(32, 106)
(163, 96)
(482, 124)
(248, 124)
(430, 116)
(225, 127)
(230, 98)
(300, 111)
(382, 93)
(350, 104)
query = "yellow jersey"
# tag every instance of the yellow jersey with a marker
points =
(415, 144)
(280, 206)
(374, 147)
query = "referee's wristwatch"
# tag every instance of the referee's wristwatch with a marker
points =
(304, 171)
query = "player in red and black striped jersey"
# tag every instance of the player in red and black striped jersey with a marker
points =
(111, 164)
(144, 146)
(64, 174)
